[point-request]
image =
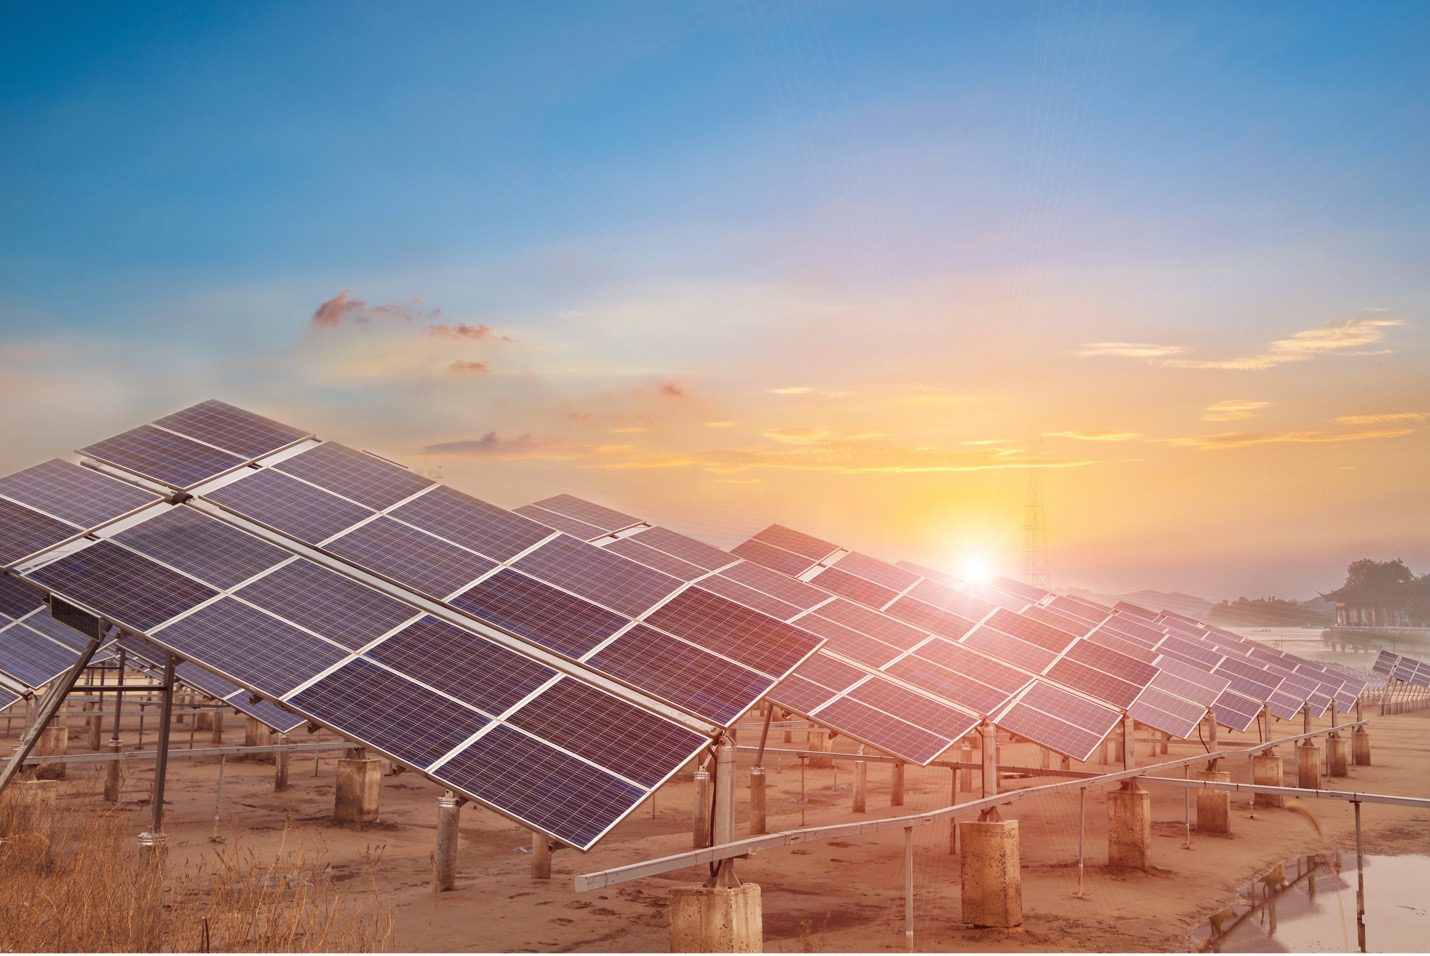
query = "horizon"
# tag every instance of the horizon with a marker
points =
(855, 269)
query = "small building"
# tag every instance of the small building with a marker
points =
(1354, 610)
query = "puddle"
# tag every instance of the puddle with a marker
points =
(1308, 905)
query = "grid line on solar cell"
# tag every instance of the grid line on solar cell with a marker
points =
(688, 677)
(1105, 659)
(327, 603)
(1235, 710)
(556, 522)
(825, 670)
(402, 553)
(930, 619)
(947, 599)
(948, 684)
(1248, 687)
(1133, 630)
(985, 670)
(472, 523)
(345, 471)
(607, 731)
(847, 642)
(1166, 712)
(774, 584)
(18, 598)
(607, 519)
(686, 548)
(1252, 671)
(1192, 650)
(1132, 649)
(122, 585)
(774, 607)
(1079, 610)
(390, 712)
(1070, 707)
(288, 505)
(796, 541)
(1049, 731)
(854, 588)
(929, 714)
(1197, 693)
(241, 432)
(659, 560)
(45, 623)
(462, 665)
(167, 458)
(874, 623)
(800, 695)
(879, 572)
(885, 731)
(1062, 622)
(1031, 631)
(540, 613)
(553, 791)
(24, 532)
(1284, 706)
(252, 647)
(1134, 610)
(32, 658)
(776, 559)
(1027, 591)
(81, 496)
(590, 572)
(743, 635)
(210, 550)
(1094, 682)
(1005, 647)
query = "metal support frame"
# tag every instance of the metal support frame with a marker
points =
(49, 706)
(155, 836)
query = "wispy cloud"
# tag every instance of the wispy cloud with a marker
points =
(672, 390)
(792, 390)
(722, 424)
(1245, 439)
(343, 309)
(1382, 419)
(468, 367)
(492, 445)
(461, 330)
(1353, 336)
(1232, 410)
(1108, 436)
(1145, 350)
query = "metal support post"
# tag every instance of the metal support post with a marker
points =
(1081, 838)
(989, 735)
(444, 862)
(1360, 884)
(909, 887)
(155, 837)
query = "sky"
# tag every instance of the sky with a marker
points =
(869, 270)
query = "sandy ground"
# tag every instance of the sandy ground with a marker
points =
(838, 896)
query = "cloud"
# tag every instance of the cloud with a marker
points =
(1245, 439)
(987, 441)
(797, 435)
(672, 390)
(1383, 418)
(467, 367)
(1127, 350)
(1095, 436)
(1231, 410)
(719, 424)
(462, 330)
(1351, 336)
(792, 390)
(492, 445)
(342, 309)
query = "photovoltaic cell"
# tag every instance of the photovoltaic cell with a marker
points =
(24, 532)
(18, 598)
(984, 669)
(776, 559)
(7, 698)
(81, 496)
(852, 587)
(930, 619)
(1235, 710)
(885, 731)
(399, 552)
(1124, 607)
(1082, 610)
(462, 665)
(539, 612)
(589, 571)
(825, 670)
(253, 648)
(651, 558)
(994, 596)
(749, 637)
(556, 522)
(124, 587)
(1031, 631)
(1167, 712)
(1059, 733)
(1191, 650)
(1284, 706)
(849, 643)
(363, 478)
(1105, 659)
(1093, 682)
(212, 551)
(947, 599)
(553, 791)
(801, 544)
(879, 572)
(46, 624)
(167, 458)
(921, 711)
(472, 523)
(1026, 591)
(1109, 639)
(1132, 629)
(962, 690)
(1007, 648)
(1385, 662)
(31, 658)
(285, 504)
(390, 712)
(774, 584)
(686, 676)
(265, 711)
(686, 548)
(241, 432)
(607, 519)
(924, 571)
(800, 695)
(726, 588)
(1053, 619)
(327, 603)
(1198, 688)
(588, 722)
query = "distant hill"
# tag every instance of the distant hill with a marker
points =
(1269, 612)
(1191, 606)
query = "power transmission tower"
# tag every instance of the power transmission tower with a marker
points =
(1035, 534)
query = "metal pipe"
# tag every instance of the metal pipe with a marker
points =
(1187, 807)
(723, 825)
(909, 887)
(989, 735)
(764, 735)
(161, 759)
(1081, 838)
(1360, 884)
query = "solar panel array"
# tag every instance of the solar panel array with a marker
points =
(1407, 670)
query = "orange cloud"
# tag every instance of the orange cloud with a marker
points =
(1383, 418)
(1095, 436)
(1232, 410)
(466, 367)
(342, 309)
(1245, 439)
(672, 390)
(462, 330)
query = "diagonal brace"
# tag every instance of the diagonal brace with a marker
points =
(49, 705)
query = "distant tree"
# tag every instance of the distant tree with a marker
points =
(1386, 585)
(1418, 603)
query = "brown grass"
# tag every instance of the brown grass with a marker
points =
(76, 881)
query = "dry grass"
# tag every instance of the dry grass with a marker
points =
(78, 882)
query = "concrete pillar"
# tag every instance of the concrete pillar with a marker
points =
(1166, 742)
(1308, 766)
(1106, 757)
(861, 786)
(1360, 747)
(258, 734)
(965, 776)
(204, 719)
(112, 778)
(818, 740)
(218, 727)
(540, 856)
(280, 767)
(1337, 754)
(1214, 806)
(53, 742)
(700, 818)
(95, 726)
(716, 919)
(992, 885)
(356, 796)
(1129, 827)
(759, 819)
(896, 788)
(1129, 744)
(1045, 758)
(444, 860)
(1268, 770)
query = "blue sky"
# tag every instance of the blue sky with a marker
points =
(922, 215)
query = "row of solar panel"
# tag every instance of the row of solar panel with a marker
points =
(1407, 670)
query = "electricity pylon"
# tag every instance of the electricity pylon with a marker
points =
(1035, 534)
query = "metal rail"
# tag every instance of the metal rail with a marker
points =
(1350, 796)
(178, 753)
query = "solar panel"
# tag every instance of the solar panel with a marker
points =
(753, 639)
(854, 588)
(634, 743)
(7, 698)
(879, 572)
(1108, 639)
(774, 584)
(607, 519)
(1031, 631)
(947, 599)
(353, 474)
(682, 674)
(950, 685)
(220, 688)
(1027, 591)
(687, 549)
(1236, 710)
(1132, 630)
(45, 623)
(1105, 659)
(726, 588)
(1385, 662)
(472, 523)
(81, 496)
(589, 571)
(776, 559)
(651, 558)
(984, 669)
(797, 542)
(126, 588)
(1059, 720)
(1185, 680)
(249, 646)
(1094, 683)
(327, 603)
(1082, 610)
(288, 505)
(210, 550)
(929, 618)
(556, 522)
(1134, 610)
(915, 708)
(241, 432)
(849, 643)
(24, 532)
(825, 670)
(1061, 622)
(389, 712)
(885, 731)
(401, 553)
(552, 791)
(1190, 650)
(1284, 706)
(167, 458)
(32, 659)
(924, 571)
(18, 598)
(800, 695)
(1004, 647)
(994, 596)
(462, 665)
(1167, 712)
(540, 613)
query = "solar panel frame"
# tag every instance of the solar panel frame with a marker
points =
(1094, 682)
(1050, 731)
(163, 456)
(370, 481)
(1235, 710)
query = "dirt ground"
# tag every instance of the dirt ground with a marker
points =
(845, 895)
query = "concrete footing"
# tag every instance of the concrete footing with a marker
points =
(818, 740)
(94, 723)
(280, 766)
(1214, 806)
(53, 742)
(204, 720)
(1337, 756)
(1129, 828)
(896, 788)
(992, 884)
(444, 859)
(1308, 766)
(258, 734)
(861, 787)
(716, 919)
(355, 799)
(113, 781)
(540, 856)
(218, 727)
(1268, 770)
(759, 818)
(700, 812)
(1360, 747)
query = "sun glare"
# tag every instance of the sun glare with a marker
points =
(976, 569)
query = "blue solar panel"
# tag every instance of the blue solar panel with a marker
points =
(401, 553)
(736, 632)
(328, 603)
(539, 612)
(241, 432)
(285, 504)
(18, 598)
(24, 532)
(371, 481)
(163, 456)
(607, 579)
(124, 587)
(885, 731)
(472, 523)
(32, 658)
(78, 495)
(210, 550)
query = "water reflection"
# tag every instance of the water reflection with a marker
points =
(1309, 905)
